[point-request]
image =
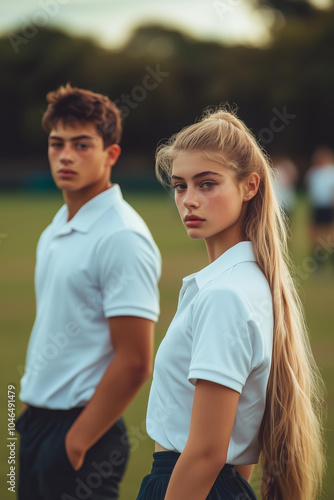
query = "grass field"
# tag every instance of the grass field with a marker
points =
(24, 216)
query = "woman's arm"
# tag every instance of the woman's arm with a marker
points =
(205, 453)
(245, 471)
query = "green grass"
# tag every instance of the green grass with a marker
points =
(23, 219)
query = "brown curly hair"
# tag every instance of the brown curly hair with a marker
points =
(70, 105)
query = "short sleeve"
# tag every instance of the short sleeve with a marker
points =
(129, 270)
(222, 348)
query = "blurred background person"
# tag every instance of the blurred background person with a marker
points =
(320, 184)
(286, 177)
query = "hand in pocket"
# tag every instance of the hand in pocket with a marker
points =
(75, 454)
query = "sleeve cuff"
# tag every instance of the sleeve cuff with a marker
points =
(131, 311)
(214, 376)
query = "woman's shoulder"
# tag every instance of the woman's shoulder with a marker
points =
(245, 278)
(244, 287)
(249, 278)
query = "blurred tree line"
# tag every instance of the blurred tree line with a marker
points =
(162, 79)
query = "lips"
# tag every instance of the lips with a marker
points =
(193, 221)
(66, 173)
(192, 217)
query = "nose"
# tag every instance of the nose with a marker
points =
(66, 155)
(190, 199)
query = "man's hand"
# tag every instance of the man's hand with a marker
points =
(75, 453)
(132, 339)
(24, 408)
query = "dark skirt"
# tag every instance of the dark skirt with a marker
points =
(229, 485)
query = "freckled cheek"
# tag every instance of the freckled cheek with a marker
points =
(214, 203)
(178, 204)
(52, 154)
(177, 198)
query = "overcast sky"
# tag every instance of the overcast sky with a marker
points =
(111, 21)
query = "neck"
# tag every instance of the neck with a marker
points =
(216, 247)
(217, 244)
(76, 199)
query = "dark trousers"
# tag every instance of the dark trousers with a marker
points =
(47, 474)
(229, 485)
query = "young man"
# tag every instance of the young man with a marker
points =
(91, 345)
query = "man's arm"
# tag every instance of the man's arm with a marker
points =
(132, 339)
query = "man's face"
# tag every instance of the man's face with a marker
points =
(77, 157)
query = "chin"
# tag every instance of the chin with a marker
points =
(195, 235)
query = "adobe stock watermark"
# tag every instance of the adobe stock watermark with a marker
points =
(88, 309)
(321, 253)
(277, 124)
(50, 350)
(30, 27)
(225, 7)
(275, 468)
(152, 79)
(138, 434)
(261, 312)
(101, 471)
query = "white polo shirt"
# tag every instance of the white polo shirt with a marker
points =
(100, 264)
(222, 332)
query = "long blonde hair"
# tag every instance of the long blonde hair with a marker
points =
(291, 434)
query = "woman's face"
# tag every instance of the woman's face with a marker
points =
(211, 203)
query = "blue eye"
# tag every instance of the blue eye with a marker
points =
(208, 184)
(179, 187)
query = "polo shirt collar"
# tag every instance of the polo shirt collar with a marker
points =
(241, 252)
(89, 213)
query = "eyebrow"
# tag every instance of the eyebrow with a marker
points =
(201, 174)
(78, 137)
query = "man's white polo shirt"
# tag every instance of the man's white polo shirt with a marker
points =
(101, 263)
(222, 332)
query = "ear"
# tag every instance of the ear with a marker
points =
(113, 151)
(251, 186)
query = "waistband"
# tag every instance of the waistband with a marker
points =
(164, 463)
(50, 413)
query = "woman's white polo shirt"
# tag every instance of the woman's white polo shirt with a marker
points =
(222, 332)
(102, 263)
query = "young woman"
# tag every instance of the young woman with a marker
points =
(234, 376)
